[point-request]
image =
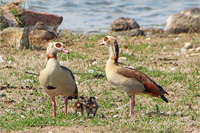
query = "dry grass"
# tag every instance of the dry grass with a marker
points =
(158, 56)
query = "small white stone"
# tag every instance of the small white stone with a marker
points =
(27, 80)
(192, 50)
(1, 59)
(115, 116)
(94, 62)
(15, 64)
(22, 116)
(122, 58)
(177, 53)
(180, 113)
(177, 84)
(183, 50)
(91, 71)
(164, 47)
(197, 49)
(176, 39)
(188, 45)
(148, 38)
(50, 132)
(77, 83)
(126, 105)
(150, 69)
(9, 62)
(172, 68)
(152, 58)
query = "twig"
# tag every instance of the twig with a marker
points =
(33, 73)
(81, 37)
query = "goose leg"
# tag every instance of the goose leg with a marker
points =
(132, 105)
(66, 103)
(54, 107)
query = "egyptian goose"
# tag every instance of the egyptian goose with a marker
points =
(56, 79)
(41, 31)
(129, 80)
(79, 106)
(91, 106)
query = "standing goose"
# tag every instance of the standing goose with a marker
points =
(129, 80)
(56, 79)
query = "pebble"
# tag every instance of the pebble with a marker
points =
(180, 113)
(188, 45)
(22, 116)
(1, 59)
(176, 39)
(197, 49)
(183, 50)
(9, 62)
(115, 116)
(94, 62)
(177, 53)
(91, 71)
(122, 58)
(172, 68)
(177, 84)
(191, 50)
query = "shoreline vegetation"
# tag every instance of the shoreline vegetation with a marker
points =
(173, 60)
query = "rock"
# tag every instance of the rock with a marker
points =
(7, 19)
(185, 21)
(14, 36)
(52, 21)
(42, 32)
(133, 32)
(123, 23)
(191, 50)
(188, 45)
(148, 31)
(197, 49)
(29, 18)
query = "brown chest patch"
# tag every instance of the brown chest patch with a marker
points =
(49, 87)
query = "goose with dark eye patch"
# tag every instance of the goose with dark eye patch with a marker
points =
(130, 80)
(56, 79)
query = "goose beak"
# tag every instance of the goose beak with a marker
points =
(65, 50)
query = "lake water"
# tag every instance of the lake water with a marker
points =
(95, 15)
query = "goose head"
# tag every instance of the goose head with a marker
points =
(54, 48)
(113, 47)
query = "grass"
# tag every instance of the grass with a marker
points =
(28, 108)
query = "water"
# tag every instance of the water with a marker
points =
(96, 15)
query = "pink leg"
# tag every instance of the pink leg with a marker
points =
(66, 103)
(54, 107)
(132, 105)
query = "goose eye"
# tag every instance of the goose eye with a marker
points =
(58, 45)
(105, 38)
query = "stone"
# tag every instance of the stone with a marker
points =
(7, 19)
(29, 18)
(15, 37)
(52, 21)
(133, 32)
(188, 45)
(123, 23)
(197, 49)
(187, 21)
(148, 31)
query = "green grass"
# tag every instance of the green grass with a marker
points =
(32, 110)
